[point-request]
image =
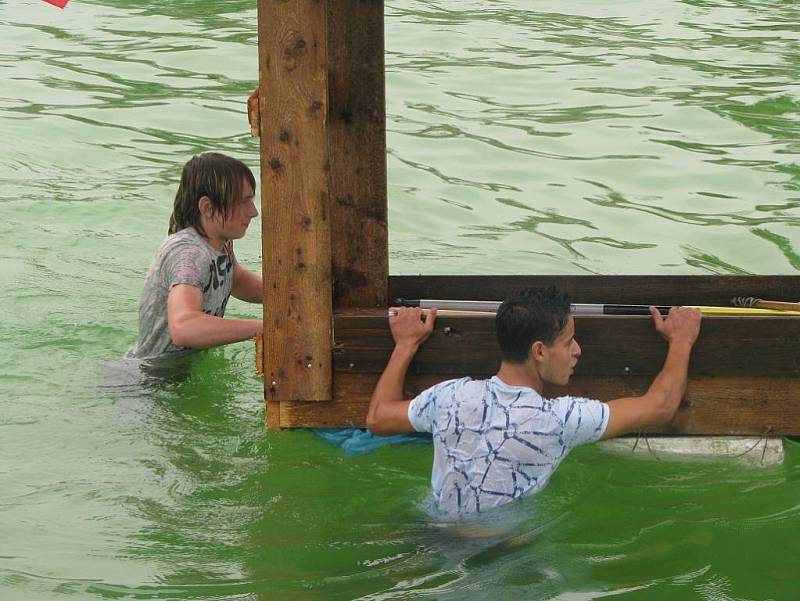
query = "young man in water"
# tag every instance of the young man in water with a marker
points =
(195, 271)
(496, 440)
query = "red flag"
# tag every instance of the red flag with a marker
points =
(58, 3)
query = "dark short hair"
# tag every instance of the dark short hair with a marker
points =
(212, 174)
(530, 315)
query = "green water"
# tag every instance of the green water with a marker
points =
(547, 137)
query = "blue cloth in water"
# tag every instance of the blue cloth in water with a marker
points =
(355, 441)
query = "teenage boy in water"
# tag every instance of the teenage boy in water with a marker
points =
(195, 271)
(498, 439)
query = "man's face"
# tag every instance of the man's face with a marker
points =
(561, 356)
(241, 212)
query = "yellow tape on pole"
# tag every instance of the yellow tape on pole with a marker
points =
(743, 311)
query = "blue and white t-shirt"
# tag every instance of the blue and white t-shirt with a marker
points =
(494, 442)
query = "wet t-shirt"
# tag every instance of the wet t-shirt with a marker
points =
(184, 257)
(494, 442)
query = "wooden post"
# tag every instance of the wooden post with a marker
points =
(323, 183)
(294, 202)
(321, 119)
(357, 145)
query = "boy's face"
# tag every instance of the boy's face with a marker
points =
(561, 356)
(241, 212)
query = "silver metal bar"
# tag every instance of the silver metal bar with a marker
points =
(461, 305)
(492, 306)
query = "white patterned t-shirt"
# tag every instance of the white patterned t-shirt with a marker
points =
(494, 443)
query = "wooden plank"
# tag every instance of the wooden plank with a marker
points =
(612, 346)
(758, 393)
(713, 406)
(357, 147)
(294, 199)
(633, 289)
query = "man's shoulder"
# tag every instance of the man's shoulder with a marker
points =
(465, 385)
(571, 400)
(446, 392)
(509, 394)
(493, 387)
(567, 406)
(431, 405)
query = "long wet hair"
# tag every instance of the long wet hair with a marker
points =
(531, 315)
(212, 174)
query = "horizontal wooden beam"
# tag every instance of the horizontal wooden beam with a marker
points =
(612, 346)
(713, 406)
(743, 376)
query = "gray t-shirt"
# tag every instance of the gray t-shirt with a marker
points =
(494, 442)
(184, 257)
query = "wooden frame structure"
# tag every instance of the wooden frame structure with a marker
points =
(325, 262)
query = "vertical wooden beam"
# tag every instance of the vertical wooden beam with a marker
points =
(357, 147)
(293, 43)
(323, 183)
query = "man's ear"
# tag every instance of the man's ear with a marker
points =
(537, 351)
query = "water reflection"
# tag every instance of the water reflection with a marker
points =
(556, 138)
(667, 107)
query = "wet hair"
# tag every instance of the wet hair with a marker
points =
(530, 315)
(215, 175)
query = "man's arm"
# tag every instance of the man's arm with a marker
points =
(247, 286)
(659, 404)
(190, 327)
(388, 412)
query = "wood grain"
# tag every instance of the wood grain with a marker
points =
(611, 346)
(294, 199)
(357, 146)
(713, 406)
(743, 375)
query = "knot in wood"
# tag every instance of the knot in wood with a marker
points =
(296, 50)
